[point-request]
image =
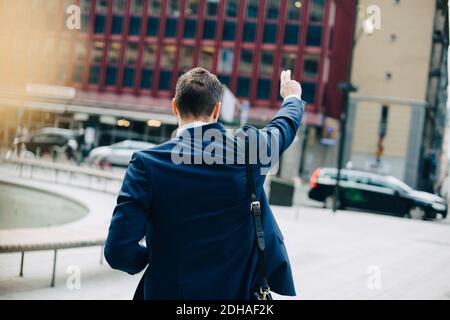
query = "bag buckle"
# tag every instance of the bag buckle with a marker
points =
(264, 293)
(255, 205)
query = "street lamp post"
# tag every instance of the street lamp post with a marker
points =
(347, 88)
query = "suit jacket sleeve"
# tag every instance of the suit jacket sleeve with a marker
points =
(129, 220)
(284, 126)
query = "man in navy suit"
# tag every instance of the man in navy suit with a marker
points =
(189, 198)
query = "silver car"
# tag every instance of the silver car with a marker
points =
(118, 154)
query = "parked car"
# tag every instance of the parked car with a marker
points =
(118, 154)
(373, 192)
(46, 139)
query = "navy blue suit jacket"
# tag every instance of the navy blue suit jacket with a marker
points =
(197, 223)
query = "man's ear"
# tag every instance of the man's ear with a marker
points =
(175, 108)
(216, 111)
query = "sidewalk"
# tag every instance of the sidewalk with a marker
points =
(348, 255)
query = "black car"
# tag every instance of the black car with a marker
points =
(46, 139)
(373, 192)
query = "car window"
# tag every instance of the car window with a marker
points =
(377, 182)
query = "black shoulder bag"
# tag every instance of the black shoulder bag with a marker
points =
(263, 292)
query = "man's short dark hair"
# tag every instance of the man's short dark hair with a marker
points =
(197, 92)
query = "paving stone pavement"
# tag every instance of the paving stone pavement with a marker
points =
(347, 255)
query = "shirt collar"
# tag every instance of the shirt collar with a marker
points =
(190, 125)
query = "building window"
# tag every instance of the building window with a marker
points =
(152, 26)
(116, 27)
(97, 51)
(130, 63)
(206, 57)
(252, 9)
(209, 30)
(136, 7)
(186, 58)
(134, 27)
(314, 36)
(229, 31)
(225, 65)
(249, 33)
(148, 65)
(154, 7)
(192, 7)
(101, 6)
(167, 63)
(288, 61)
(172, 18)
(309, 91)
(190, 28)
(212, 8)
(265, 76)
(270, 32)
(291, 33)
(272, 7)
(294, 11)
(231, 8)
(113, 60)
(311, 65)
(316, 11)
(149, 56)
(245, 69)
(118, 6)
(114, 52)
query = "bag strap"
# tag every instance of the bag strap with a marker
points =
(255, 209)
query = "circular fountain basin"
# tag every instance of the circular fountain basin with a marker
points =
(29, 207)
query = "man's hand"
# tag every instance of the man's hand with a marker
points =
(289, 87)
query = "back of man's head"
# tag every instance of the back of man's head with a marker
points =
(197, 92)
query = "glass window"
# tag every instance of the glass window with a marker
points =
(118, 6)
(212, 7)
(288, 61)
(135, 25)
(270, 33)
(146, 78)
(186, 57)
(152, 26)
(225, 64)
(136, 7)
(111, 74)
(316, 10)
(192, 7)
(245, 66)
(309, 92)
(314, 36)
(266, 64)
(206, 57)
(168, 57)
(243, 86)
(249, 33)
(263, 89)
(209, 30)
(311, 65)
(154, 7)
(252, 8)
(229, 31)
(101, 6)
(149, 55)
(97, 51)
(231, 8)
(116, 27)
(171, 27)
(291, 33)
(94, 74)
(131, 55)
(190, 28)
(128, 77)
(294, 10)
(99, 26)
(173, 8)
(114, 52)
(272, 7)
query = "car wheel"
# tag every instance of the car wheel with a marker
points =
(416, 213)
(329, 201)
